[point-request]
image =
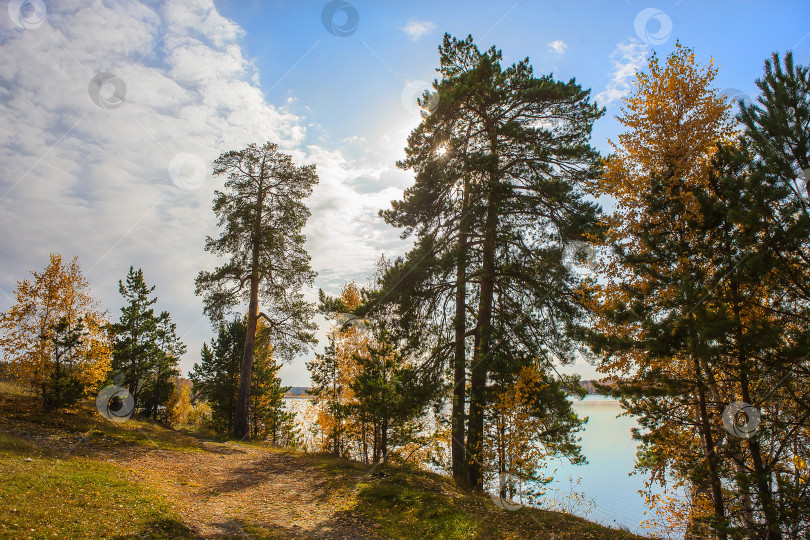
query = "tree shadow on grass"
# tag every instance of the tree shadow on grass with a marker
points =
(164, 528)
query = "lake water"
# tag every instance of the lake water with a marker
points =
(605, 480)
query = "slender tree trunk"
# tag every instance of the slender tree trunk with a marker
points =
(376, 454)
(57, 395)
(384, 440)
(502, 453)
(157, 394)
(241, 427)
(765, 497)
(480, 369)
(241, 422)
(459, 464)
(337, 415)
(708, 448)
(364, 436)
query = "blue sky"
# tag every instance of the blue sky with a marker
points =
(352, 85)
(122, 177)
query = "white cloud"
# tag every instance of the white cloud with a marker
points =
(416, 28)
(83, 180)
(628, 57)
(557, 46)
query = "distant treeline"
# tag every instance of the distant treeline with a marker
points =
(297, 392)
(590, 385)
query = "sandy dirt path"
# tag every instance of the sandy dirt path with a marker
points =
(218, 490)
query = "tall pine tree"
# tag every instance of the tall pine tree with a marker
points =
(500, 170)
(261, 213)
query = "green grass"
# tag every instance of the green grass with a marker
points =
(403, 511)
(25, 413)
(414, 504)
(44, 496)
(405, 503)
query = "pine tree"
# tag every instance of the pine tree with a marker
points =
(656, 282)
(387, 395)
(134, 351)
(64, 387)
(693, 316)
(269, 419)
(168, 350)
(500, 170)
(764, 204)
(262, 214)
(216, 377)
(216, 380)
(761, 338)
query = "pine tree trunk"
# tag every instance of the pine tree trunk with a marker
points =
(459, 465)
(761, 475)
(478, 375)
(384, 440)
(241, 427)
(708, 447)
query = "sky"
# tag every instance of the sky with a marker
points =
(111, 113)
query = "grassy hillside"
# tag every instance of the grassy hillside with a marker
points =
(73, 474)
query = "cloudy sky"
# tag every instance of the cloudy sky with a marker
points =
(112, 111)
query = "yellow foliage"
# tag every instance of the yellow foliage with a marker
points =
(349, 340)
(675, 118)
(61, 290)
(512, 435)
(178, 407)
(199, 414)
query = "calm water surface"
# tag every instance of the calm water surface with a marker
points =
(605, 480)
